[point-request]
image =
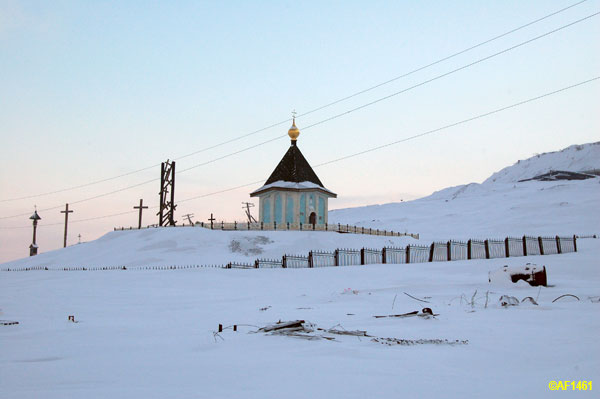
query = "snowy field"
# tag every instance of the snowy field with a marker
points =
(151, 334)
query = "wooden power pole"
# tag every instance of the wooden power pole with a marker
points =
(66, 212)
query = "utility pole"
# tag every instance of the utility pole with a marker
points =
(33, 248)
(141, 207)
(166, 214)
(189, 217)
(66, 212)
(249, 205)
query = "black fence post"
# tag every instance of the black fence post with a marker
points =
(507, 247)
(449, 251)
(288, 225)
(235, 225)
(310, 259)
(337, 257)
(383, 256)
(431, 252)
(262, 226)
(274, 225)
(256, 264)
(248, 225)
(575, 242)
(408, 253)
(558, 245)
(541, 244)
(362, 256)
(487, 249)
(524, 245)
(284, 262)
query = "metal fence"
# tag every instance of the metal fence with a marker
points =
(269, 263)
(532, 246)
(495, 249)
(370, 256)
(548, 245)
(274, 226)
(458, 250)
(436, 252)
(514, 246)
(295, 261)
(347, 257)
(321, 259)
(394, 255)
(417, 253)
(476, 249)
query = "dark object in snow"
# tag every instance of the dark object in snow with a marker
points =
(295, 325)
(422, 300)
(72, 319)
(425, 313)
(265, 308)
(408, 342)
(507, 300)
(530, 273)
(565, 295)
(560, 175)
(530, 299)
(8, 323)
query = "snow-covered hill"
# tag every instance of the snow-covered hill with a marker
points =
(493, 209)
(576, 158)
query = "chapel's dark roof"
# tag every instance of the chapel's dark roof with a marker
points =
(293, 167)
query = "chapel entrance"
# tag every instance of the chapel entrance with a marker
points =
(312, 219)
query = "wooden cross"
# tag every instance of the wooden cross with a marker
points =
(211, 220)
(141, 207)
(66, 212)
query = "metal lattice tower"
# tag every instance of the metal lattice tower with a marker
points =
(166, 214)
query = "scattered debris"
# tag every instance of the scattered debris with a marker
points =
(422, 300)
(565, 295)
(530, 273)
(350, 291)
(507, 300)
(529, 299)
(305, 330)
(72, 319)
(8, 323)
(425, 313)
(409, 342)
(265, 308)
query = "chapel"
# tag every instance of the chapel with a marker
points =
(293, 193)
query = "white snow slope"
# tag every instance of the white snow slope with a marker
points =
(150, 334)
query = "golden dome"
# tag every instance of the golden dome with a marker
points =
(294, 132)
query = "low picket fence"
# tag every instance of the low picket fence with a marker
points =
(436, 252)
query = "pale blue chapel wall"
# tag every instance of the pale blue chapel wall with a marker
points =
(278, 209)
(321, 211)
(303, 208)
(289, 209)
(266, 211)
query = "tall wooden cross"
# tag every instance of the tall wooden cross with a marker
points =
(66, 212)
(211, 220)
(141, 207)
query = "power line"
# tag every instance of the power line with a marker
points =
(332, 117)
(305, 113)
(445, 127)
